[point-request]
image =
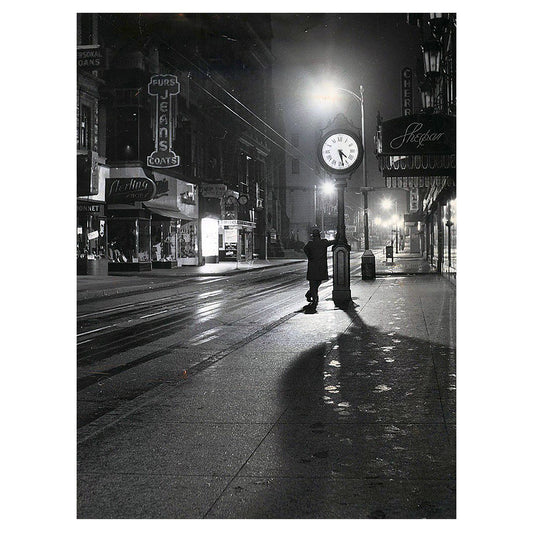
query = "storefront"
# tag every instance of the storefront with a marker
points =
(236, 240)
(91, 220)
(152, 220)
(450, 238)
(417, 153)
(236, 236)
(91, 240)
(173, 213)
(441, 227)
(129, 224)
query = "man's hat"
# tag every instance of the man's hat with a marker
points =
(315, 231)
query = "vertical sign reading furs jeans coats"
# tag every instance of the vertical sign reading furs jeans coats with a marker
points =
(163, 87)
(407, 92)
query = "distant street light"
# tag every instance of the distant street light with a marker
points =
(327, 188)
(387, 204)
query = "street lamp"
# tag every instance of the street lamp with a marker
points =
(387, 203)
(368, 261)
(327, 189)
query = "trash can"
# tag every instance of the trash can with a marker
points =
(389, 253)
(368, 265)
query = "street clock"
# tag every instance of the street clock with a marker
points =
(340, 151)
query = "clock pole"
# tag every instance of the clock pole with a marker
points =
(368, 261)
(342, 295)
(340, 152)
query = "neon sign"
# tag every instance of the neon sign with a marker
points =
(162, 87)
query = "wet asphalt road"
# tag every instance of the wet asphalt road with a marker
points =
(128, 345)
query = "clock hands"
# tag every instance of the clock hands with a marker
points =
(342, 154)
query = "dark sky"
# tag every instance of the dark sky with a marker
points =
(368, 48)
(351, 48)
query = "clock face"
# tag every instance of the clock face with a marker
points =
(340, 151)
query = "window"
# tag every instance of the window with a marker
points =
(245, 162)
(85, 128)
(85, 28)
(295, 166)
(127, 134)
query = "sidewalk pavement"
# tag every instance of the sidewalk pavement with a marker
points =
(340, 414)
(93, 287)
(402, 263)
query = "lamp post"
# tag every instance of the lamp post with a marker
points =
(368, 261)
(387, 204)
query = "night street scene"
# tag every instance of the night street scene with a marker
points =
(266, 265)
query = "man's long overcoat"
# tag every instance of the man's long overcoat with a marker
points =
(316, 252)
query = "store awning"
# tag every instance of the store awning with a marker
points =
(170, 213)
(417, 135)
(417, 151)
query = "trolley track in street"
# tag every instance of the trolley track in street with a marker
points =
(111, 349)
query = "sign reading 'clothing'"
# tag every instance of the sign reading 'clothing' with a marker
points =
(163, 87)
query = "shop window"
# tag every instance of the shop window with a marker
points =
(91, 237)
(188, 243)
(164, 240)
(129, 240)
(209, 237)
(144, 240)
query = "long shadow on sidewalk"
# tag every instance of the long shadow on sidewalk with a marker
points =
(367, 431)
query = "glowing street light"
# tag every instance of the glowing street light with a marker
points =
(328, 188)
(387, 204)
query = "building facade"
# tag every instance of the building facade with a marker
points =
(417, 151)
(175, 164)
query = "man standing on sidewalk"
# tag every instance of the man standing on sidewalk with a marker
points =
(317, 266)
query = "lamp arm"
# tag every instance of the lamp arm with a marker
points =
(349, 92)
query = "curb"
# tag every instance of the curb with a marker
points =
(98, 294)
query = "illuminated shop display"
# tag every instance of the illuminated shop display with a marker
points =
(91, 238)
(164, 241)
(188, 244)
(210, 239)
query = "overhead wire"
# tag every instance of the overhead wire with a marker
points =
(207, 74)
(245, 121)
